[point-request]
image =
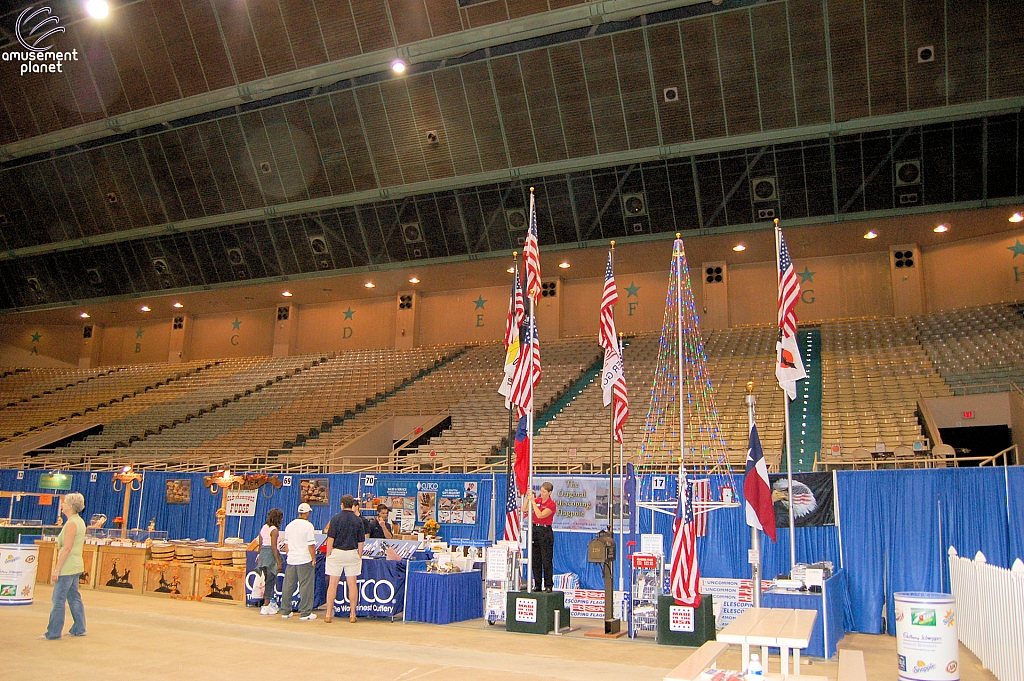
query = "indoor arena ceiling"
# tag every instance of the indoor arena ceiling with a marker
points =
(200, 142)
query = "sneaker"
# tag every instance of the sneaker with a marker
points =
(310, 616)
(265, 610)
(286, 616)
(272, 609)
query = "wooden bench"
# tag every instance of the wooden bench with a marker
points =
(851, 666)
(702, 658)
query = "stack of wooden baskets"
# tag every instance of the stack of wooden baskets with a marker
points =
(162, 551)
(183, 553)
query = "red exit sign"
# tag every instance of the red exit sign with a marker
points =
(968, 414)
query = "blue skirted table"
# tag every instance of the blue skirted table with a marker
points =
(835, 615)
(444, 598)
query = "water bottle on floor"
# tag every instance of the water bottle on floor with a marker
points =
(754, 669)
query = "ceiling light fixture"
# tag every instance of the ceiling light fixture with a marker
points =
(414, 280)
(370, 284)
(97, 9)
(144, 308)
(398, 66)
(871, 234)
(511, 270)
(85, 315)
(564, 264)
(739, 248)
(1017, 217)
(940, 229)
(178, 305)
(286, 294)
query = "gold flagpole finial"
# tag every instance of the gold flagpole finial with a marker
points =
(515, 255)
(613, 243)
(531, 190)
(750, 387)
(776, 222)
(678, 235)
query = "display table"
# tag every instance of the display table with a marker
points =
(121, 568)
(781, 628)
(382, 588)
(444, 598)
(835, 615)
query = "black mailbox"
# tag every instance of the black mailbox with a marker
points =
(601, 548)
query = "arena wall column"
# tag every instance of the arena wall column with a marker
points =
(92, 344)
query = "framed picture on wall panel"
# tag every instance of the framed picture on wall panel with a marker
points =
(178, 491)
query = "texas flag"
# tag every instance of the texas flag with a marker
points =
(756, 491)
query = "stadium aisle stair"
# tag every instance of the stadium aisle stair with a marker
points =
(591, 375)
(805, 410)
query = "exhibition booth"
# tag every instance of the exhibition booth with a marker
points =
(875, 533)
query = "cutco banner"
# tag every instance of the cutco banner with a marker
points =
(582, 503)
(449, 501)
(381, 587)
(813, 499)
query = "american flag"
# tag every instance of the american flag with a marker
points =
(513, 328)
(531, 255)
(701, 493)
(527, 372)
(511, 512)
(613, 378)
(789, 367)
(685, 571)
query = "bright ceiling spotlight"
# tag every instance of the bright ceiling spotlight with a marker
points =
(511, 270)
(178, 305)
(739, 248)
(85, 315)
(398, 66)
(286, 294)
(1017, 217)
(871, 234)
(564, 265)
(940, 229)
(414, 280)
(97, 9)
(144, 308)
(370, 284)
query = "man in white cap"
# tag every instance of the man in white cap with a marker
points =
(299, 535)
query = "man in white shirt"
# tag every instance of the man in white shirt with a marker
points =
(299, 535)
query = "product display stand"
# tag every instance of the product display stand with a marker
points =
(501, 576)
(648, 582)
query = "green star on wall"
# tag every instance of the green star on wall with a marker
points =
(349, 312)
(138, 333)
(235, 325)
(632, 290)
(36, 336)
(479, 302)
(1017, 248)
(807, 275)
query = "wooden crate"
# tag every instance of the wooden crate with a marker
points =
(47, 559)
(88, 578)
(220, 584)
(121, 569)
(169, 579)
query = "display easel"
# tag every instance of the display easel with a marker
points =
(130, 481)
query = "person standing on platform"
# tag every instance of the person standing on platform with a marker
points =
(269, 561)
(301, 540)
(68, 569)
(345, 537)
(379, 527)
(543, 548)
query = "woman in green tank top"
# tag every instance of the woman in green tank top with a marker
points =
(67, 570)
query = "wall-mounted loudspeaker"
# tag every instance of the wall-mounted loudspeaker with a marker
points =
(87, 332)
(548, 289)
(903, 259)
(283, 312)
(671, 94)
(763, 189)
(516, 219)
(634, 205)
(714, 275)
(412, 233)
(179, 323)
(405, 302)
(907, 173)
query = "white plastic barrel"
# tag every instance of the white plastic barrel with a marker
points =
(18, 563)
(927, 648)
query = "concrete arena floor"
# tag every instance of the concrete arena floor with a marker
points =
(143, 638)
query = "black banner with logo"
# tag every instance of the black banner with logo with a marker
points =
(813, 502)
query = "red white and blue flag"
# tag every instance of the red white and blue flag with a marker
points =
(757, 492)
(522, 448)
(789, 367)
(512, 517)
(531, 256)
(513, 329)
(613, 377)
(701, 496)
(527, 369)
(685, 581)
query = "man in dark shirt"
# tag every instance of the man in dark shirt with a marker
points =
(345, 536)
(379, 528)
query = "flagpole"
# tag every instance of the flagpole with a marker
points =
(611, 444)
(511, 407)
(755, 534)
(532, 334)
(785, 402)
(622, 495)
(679, 348)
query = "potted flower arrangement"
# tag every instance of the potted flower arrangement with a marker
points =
(431, 528)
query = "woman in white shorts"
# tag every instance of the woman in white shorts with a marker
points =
(345, 536)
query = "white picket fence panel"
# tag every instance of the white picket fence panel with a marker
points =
(990, 606)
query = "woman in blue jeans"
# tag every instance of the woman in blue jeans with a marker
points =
(67, 570)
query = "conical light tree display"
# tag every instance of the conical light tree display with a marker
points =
(682, 425)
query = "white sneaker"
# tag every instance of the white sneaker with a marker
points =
(286, 616)
(264, 610)
(310, 616)
(272, 609)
